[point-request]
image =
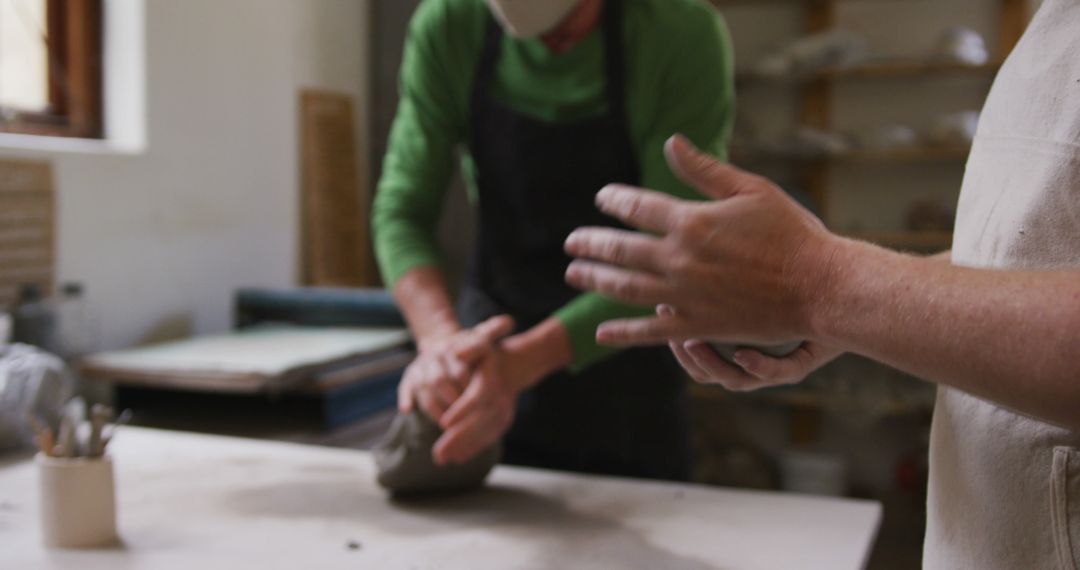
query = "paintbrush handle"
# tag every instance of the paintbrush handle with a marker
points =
(99, 416)
(42, 434)
(46, 441)
(65, 445)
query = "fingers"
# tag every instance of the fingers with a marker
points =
(776, 370)
(428, 384)
(621, 248)
(645, 331)
(717, 371)
(685, 360)
(712, 177)
(481, 392)
(642, 209)
(495, 328)
(702, 371)
(470, 402)
(688, 364)
(477, 423)
(790, 369)
(454, 369)
(431, 404)
(465, 440)
(471, 350)
(627, 286)
(482, 337)
(448, 390)
(476, 419)
(412, 380)
(435, 380)
(404, 396)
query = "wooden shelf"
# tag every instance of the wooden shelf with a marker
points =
(797, 398)
(883, 69)
(920, 154)
(744, 3)
(814, 93)
(905, 68)
(922, 242)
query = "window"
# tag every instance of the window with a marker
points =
(50, 67)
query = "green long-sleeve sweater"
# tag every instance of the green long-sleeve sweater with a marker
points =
(679, 80)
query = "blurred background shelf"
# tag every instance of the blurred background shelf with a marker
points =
(920, 242)
(834, 107)
(900, 68)
(908, 68)
(729, 3)
(810, 399)
(915, 154)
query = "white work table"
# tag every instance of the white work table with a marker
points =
(190, 501)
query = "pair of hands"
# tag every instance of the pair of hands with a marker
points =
(748, 267)
(464, 382)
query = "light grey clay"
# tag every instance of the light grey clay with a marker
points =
(727, 351)
(405, 465)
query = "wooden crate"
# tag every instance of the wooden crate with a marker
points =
(27, 227)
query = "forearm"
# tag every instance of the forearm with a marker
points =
(579, 319)
(1006, 336)
(424, 298)
(943, 257)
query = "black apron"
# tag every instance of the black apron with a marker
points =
(536, 182)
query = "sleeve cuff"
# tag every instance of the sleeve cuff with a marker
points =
(582, 316)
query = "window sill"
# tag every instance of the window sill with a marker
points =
(37, 145)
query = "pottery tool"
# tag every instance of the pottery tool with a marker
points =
(75, 410)
(125, 417)
(75, 413)
(78, 436)
(99, 416)
(42, 434)
(66, 446)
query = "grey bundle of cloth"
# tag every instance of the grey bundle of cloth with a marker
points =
(405, 465)
(31, 382)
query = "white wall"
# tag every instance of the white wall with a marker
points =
(162, 238)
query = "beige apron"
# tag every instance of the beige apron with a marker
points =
(1004, 487)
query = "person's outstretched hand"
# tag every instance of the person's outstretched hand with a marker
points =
(441, 371)
(748, 267)
(752, 370)
(755, 370)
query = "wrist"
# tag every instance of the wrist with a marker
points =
(538, 352)
(423, 297)
(439, 327)
(833, 271)
(849, 291)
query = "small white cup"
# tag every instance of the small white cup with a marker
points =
(78, 502)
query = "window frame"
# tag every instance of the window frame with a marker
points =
(75, 88)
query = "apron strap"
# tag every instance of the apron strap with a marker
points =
(615, 60)
(485, 71)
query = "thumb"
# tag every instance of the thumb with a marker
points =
(494, 329)
(711, 177)
(483, 336)
(405, 398)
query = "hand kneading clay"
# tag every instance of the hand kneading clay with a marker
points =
(405, 465)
